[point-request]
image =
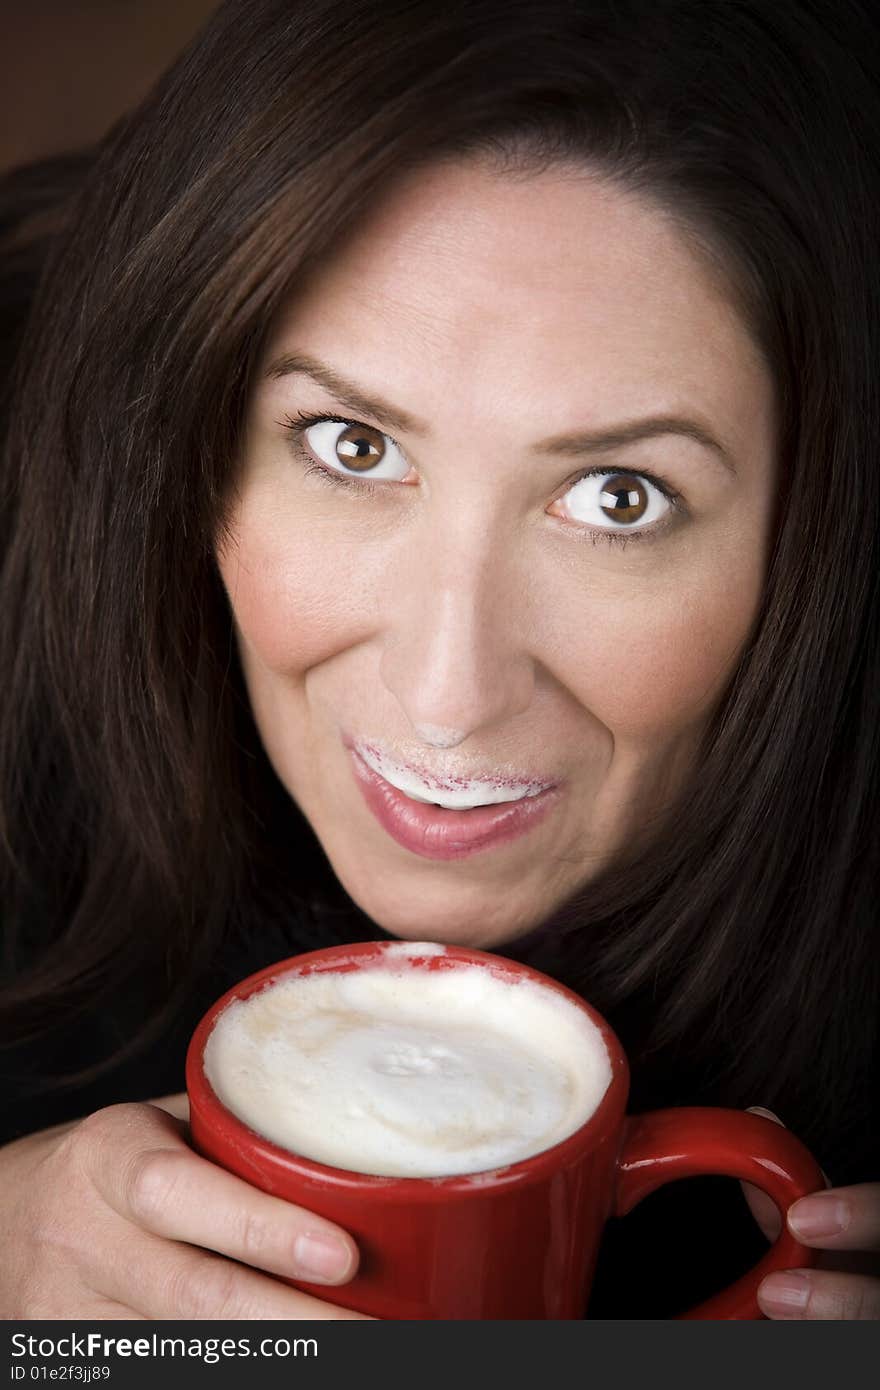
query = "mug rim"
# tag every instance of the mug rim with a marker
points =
(263, 1155)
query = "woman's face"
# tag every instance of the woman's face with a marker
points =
(513, 565)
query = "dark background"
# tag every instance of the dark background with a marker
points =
(68, 68)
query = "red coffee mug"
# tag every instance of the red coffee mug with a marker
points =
(519, 1242)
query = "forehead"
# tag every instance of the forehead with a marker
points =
(465, 279)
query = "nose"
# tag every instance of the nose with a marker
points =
(455, 654)
(439, 737)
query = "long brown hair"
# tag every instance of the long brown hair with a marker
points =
(136, 806)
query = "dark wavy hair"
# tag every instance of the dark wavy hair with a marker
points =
(137, 808)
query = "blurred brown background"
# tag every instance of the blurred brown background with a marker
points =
(68, 68)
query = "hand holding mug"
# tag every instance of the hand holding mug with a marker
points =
(405, 1091)
(114, 1216)
(844, 1224)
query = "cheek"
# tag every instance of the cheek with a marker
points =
(649, 669)
(297, 601)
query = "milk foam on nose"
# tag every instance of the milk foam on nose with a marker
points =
(409, 1072)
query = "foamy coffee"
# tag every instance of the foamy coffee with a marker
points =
(408, 1072)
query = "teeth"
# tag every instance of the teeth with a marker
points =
(424, 800)
(457, 805)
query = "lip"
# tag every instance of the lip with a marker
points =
(435, 833)
(419, 784)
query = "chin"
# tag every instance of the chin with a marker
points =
(457, 919)
(466, 934)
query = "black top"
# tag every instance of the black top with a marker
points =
(677, 1247)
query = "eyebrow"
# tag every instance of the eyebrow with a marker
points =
(575, 445)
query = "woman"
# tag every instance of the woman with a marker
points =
(480, 401)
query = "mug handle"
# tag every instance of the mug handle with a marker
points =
(663, 1145)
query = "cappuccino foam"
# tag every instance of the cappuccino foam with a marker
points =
(407, 1072)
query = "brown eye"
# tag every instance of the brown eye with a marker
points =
(354, 450)
(607, 502)
(360, 447)
(623, 498)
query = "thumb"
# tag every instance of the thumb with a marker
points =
(762, 1207)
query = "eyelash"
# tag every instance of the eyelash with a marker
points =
(363, 487)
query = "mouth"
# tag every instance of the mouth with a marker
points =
(444, 832)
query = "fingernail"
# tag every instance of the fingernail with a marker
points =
(784, 1293)
(321, 1257)
(768, 1114)
(818, 1216)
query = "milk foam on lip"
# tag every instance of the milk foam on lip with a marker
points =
(409, 1072)
(456, 794)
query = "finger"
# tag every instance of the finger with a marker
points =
(844, 1218)
(850, 1261)
(812, 1294)
(176, 1105)
(169, 1281)
(763, 1209)
(110, 1311)
(768, 1114)
(150, 1177)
